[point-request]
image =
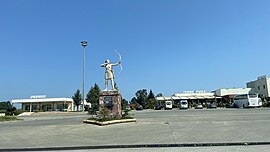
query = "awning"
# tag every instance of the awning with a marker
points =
(167, 98)
(192, 98)
(176, 98)
(187, 97)
(42, 100)
(160, 98)
(184, 98)
(200, 97)
(210, 97)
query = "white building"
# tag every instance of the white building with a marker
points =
(192, 96)
(198, 94)
(232, 91)
(41, 103)
(261, 86)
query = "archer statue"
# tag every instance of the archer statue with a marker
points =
(109, 74)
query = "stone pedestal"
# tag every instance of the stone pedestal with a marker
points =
(112, 100)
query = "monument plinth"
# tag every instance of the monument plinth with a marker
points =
(111, 100)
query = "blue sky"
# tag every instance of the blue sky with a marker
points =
(168, 46)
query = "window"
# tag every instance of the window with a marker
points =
(252, 95)
(59, 107)
(240, 97)
(263, 86)
(27, 107)
(258, 87)
(34, 107)
(184, 103)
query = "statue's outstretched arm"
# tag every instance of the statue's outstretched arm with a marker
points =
(115, 64)
(103, 65)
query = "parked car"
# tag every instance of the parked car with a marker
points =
(199, 106)
(157, 107)
(212, 106)
(139, 107)
(168, 105)
(128, 108)
(183, 104)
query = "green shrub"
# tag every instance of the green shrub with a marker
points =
(2, 111)
(126, 113)
(104, 112)
(14, 112)
(17, 112)
(109, 119)
(92, 111)
(8, 118)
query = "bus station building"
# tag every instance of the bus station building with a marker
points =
(38, 103)
(193, 97)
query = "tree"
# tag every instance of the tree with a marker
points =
(151, 103)
(133, 101)
(124, 104)
(5, 105)
(10, 111)
(151, 95)
(141, 96)
(8, 108)
(151, 100)
(77, 98)
(93, 96)
(159, 95)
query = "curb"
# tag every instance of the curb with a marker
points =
(109, 122)
(138, 146)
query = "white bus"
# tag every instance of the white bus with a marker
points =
(168, 104)
(247, 100)
(183, 104)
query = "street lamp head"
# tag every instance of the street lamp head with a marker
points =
(84, 43)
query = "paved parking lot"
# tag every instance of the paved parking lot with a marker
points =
(152, 127)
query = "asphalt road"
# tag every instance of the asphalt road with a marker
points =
(152, 127)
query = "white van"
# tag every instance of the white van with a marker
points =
(183, 104)
(168, 104)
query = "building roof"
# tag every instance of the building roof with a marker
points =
(232, 91)
(194, 94)
(187, 97)
(42, 100)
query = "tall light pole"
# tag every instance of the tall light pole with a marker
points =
(84, 44)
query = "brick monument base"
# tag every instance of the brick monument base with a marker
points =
(111, 99)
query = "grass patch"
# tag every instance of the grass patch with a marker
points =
(109, 119)
(8, 118)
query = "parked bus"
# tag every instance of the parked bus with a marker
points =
(168, 104)
(247, 100)
(183, 104)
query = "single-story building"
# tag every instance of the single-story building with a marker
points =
(38, 103)
(229, 93)
(193, 97)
